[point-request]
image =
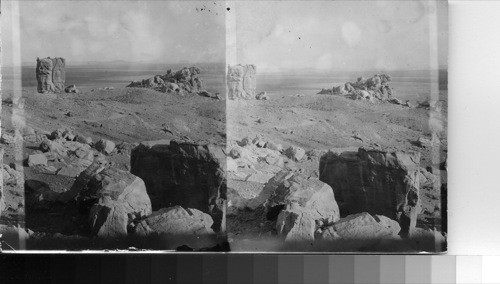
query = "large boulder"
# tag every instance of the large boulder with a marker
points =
(288, 187)
(296, 224)
(51, 74)
(241, 81)
(374, 181)
(117, 197)
(81, 183)
(360, 230)
(178, 226)
(185, 174)
(119, 186)
(108, 219)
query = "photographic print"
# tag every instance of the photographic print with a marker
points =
(336, 125)
(208, 126)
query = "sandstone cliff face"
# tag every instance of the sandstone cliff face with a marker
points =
(189, 175)
(377, 182)
(51, 74)
(241, 81)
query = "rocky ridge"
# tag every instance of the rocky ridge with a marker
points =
(182, 82)
(373, 89)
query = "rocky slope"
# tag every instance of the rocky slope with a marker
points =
(271, 152)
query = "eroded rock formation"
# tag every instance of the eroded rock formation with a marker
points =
(182, 81)
(50, 74)
(241, 81)
(377, 182)
(374, 88)
(189, 175)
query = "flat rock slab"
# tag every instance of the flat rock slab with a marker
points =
(37, 159)
(260, 177)
(179, 226)
(359, 231)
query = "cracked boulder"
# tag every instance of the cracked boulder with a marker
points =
(296, 224)
(294, 189)
(112, 197)
(108, 218)
(184, 174)
(374, 181)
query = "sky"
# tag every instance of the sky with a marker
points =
(341, 35)
(147, 31)
(274, 35)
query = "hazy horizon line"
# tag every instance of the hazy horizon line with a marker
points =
(188, 64)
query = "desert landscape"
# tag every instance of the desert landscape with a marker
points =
(216, 156)
(259, 138)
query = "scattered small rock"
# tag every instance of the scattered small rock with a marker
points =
(71, 89)
(262, 96)
(105, 146)
(274, 146)
(37, 159)
(295, 153)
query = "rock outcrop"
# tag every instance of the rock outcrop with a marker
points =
(117, 197)
(182, 81)
(66, 157)
(241, 81)
(185, 174)
(377, 182)
(371, 89)
(50, 74)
